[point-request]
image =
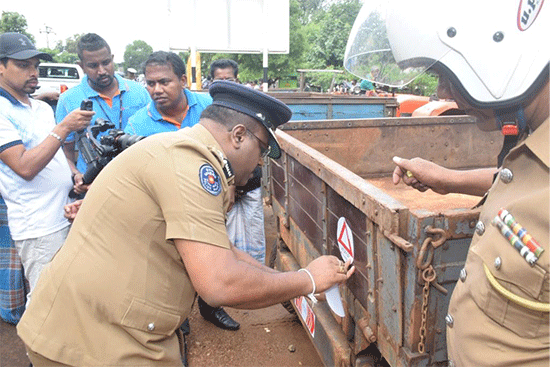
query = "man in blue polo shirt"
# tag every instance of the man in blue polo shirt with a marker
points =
(114, 98)
(173, 107)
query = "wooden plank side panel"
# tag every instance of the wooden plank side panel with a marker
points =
(370, 200)
(277, 177)
(357, 222)
(389, 301)
(368, 151)
(304, 204)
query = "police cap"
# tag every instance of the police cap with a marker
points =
(267, 110)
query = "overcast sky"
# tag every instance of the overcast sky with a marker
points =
(120, 22)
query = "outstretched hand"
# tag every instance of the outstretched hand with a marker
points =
(420, 174)
(326, 271)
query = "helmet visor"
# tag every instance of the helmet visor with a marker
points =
(371, 50)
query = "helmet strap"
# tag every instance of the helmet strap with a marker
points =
(512, 123)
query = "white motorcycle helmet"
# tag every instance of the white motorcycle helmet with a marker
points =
(492, 50)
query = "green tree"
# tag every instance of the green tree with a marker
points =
(71, 42)
(14, 22)
(136, 54)
(49, 51)
(65, 51)
(424, 85)
(66, 57)
(329, 34)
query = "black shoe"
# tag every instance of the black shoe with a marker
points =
(217, 316)
(182, 338)
(185, 327)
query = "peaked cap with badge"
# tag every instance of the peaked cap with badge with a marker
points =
(270, 112)
(19, 47)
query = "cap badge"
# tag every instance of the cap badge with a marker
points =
(260, 116)
(23, 43)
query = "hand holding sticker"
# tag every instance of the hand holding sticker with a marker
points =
(347, 250)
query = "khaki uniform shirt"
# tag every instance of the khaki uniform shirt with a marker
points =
(118, 289)
(484, 328)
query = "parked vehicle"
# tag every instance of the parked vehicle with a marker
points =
(323, 106)
(58, 77)
(409, 247)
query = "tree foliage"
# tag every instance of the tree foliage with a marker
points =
(318, 35)
(135, 55)
(14, 22)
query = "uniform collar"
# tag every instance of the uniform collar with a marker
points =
(538, 142)
(200, 133)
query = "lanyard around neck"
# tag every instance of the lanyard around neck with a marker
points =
(119, 111)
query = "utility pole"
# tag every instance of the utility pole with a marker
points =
(47, 30)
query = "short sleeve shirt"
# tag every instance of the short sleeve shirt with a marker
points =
(132, 97)
(521, 334)
(118, 289)
(149, 121)
(35, 207)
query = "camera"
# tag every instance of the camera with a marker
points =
(96, 153)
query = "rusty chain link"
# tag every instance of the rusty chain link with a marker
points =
(429, 276)
(424, 263)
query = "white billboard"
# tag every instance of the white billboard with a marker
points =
(229, 26)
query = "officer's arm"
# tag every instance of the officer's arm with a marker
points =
(221, 278)
(243, 256)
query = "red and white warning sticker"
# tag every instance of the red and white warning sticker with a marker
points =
(306, 313)
(345, 239)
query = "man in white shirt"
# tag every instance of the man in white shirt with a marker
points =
(35, 177)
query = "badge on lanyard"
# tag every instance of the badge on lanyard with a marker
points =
(210, 180)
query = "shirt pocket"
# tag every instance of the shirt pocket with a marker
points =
(515, 275)
(151, 319)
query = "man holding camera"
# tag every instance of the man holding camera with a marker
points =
(151, 234)
(35, 177)
(114, 98)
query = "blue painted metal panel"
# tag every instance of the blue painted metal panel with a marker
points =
(308, 112)
(357, 111)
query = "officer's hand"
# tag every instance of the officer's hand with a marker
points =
(71, 209)
(326, 272)
(420, 174)
(77, 120)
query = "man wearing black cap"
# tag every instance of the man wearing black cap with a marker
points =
(151, 234)
(35, 177)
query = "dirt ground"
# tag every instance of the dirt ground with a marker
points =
(267, 337)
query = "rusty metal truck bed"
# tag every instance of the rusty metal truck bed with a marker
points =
(341, 168)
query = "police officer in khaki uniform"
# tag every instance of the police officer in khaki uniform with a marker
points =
(492, 60)
(151, 233)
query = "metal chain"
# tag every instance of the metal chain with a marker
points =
(429, 276)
